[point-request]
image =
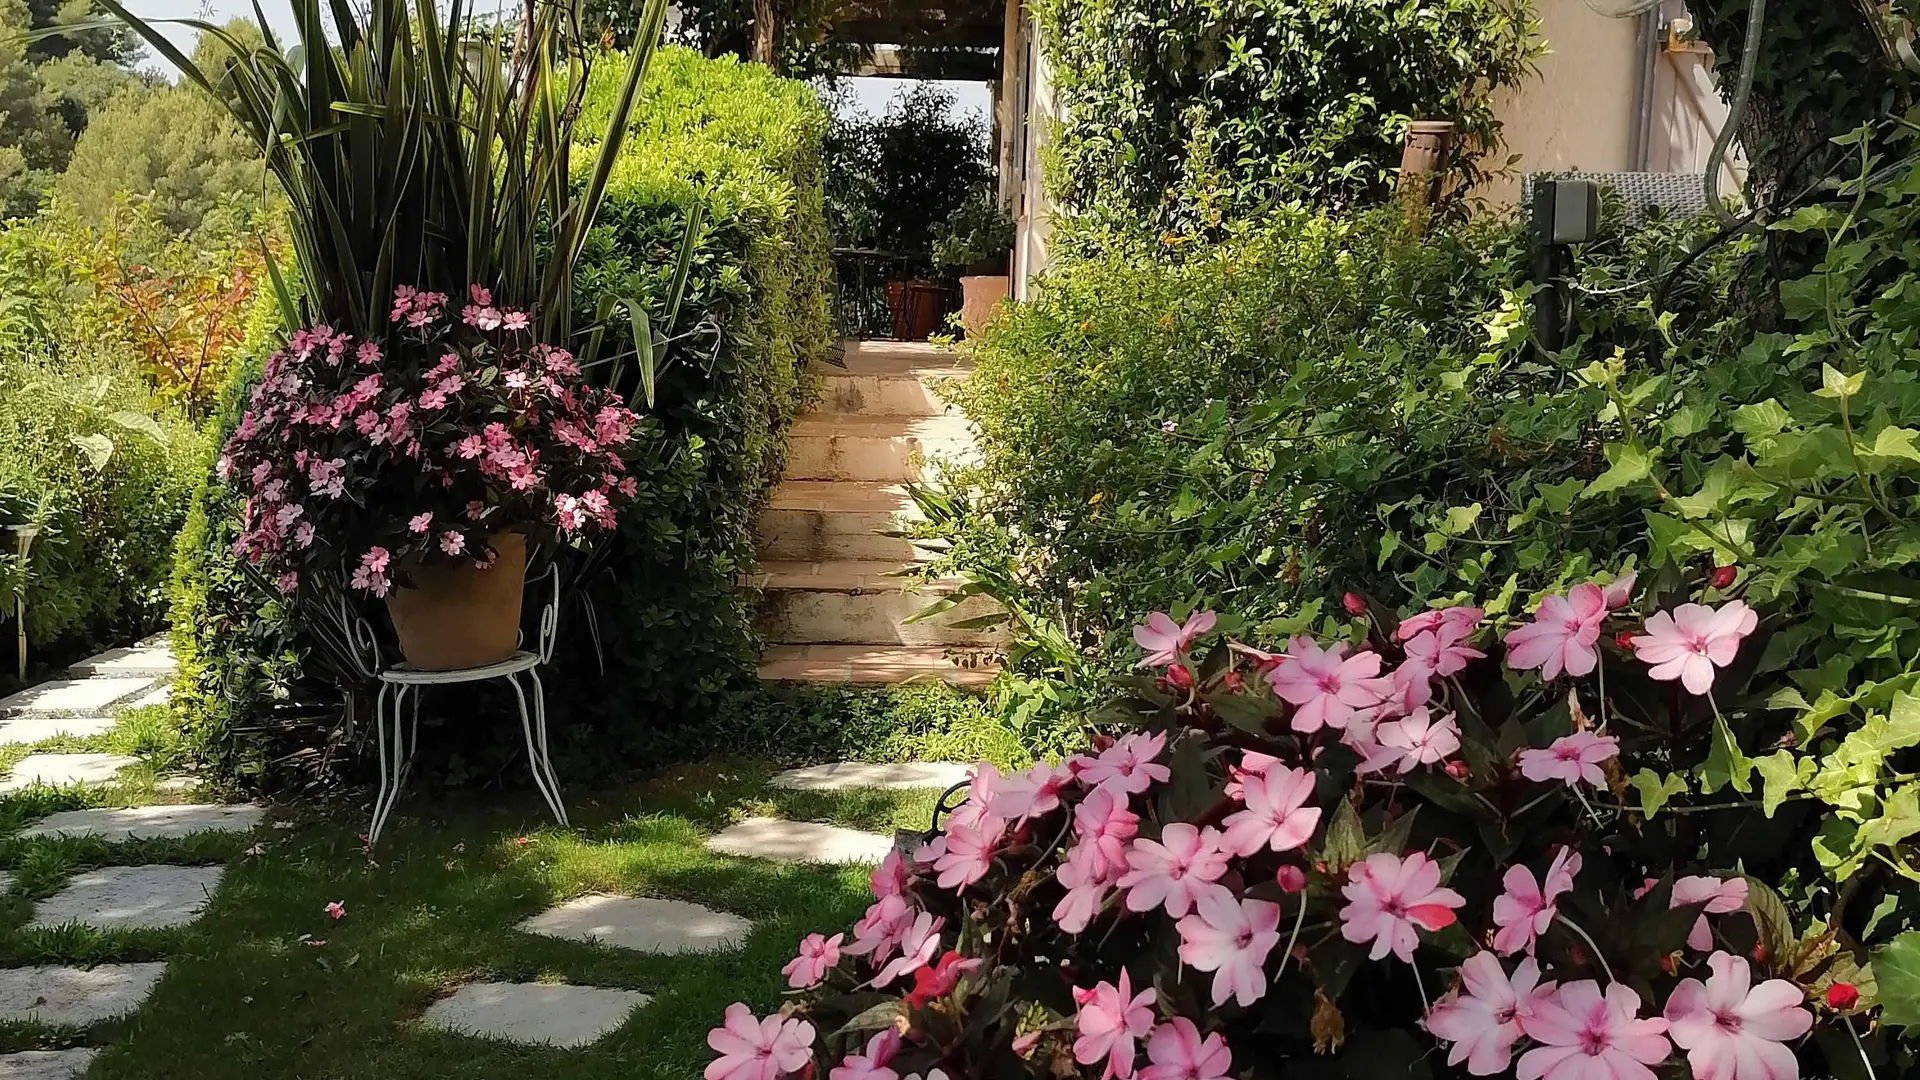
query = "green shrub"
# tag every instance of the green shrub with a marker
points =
(106, 472)
(664, 641)
(1188, 117)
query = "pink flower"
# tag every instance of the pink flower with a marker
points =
(966, 853)
(514, 320)
(1128, 765)
(1524, 910)
(1483, 1017)
(1164, 640)
(1459, 621)
(939, 980)
(337, 909)
(1182, 865)
(752, 1049)
(1087, 878)
(871, 1065)
(1688, 644)
(303, 534)
(1032, 793)
(1572, 759)
(1440, 652)
(1109, 1021)
(1277, 816)
(918, 947)
(1179, 1053)
(877, 934)
(817, 956)
(1104, 825)
(889, 878)
(287, 582)
(1732, 1030)
(1722, 897)
(1562, 635)
(1252, 763)
(1291, 879)
(420, 523)
(470, 447)
(1418, 739)
(1388, 896)
(1586, 1036)
(481, 318)
(1325, 686)
(1231, 939)
(452, 543)
(1617, 595)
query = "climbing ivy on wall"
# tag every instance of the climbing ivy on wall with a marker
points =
(1187, 116)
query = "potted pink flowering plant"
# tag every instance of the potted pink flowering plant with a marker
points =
(420, 472)
(1399, 848)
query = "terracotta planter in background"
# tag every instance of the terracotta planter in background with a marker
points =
(1423, 161)
(981, 294)
(459, 616)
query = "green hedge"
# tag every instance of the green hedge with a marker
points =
(1189, 116)
(670, 642)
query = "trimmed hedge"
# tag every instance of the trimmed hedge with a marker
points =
(673, 633)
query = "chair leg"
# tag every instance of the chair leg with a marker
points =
(537, 746)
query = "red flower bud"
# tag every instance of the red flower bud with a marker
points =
(1234, 682)
(1759, 953)
(1180, 677)
(1457, 769)
(1355, 604)
(1842, 996)
(1291, 878)
(1624, 639)
(1722, 576)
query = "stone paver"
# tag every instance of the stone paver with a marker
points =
(74, 997)
(73, 696)
(130, 897)
(848, 775)
(59, 770)
(149, 661)
(800, 841)
(533, 1013)
(6, 882)
(146, 822)
(46, 1064)
(32, 727)
(159, 695)
(641, 923)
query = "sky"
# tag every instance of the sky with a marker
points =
(870, 95)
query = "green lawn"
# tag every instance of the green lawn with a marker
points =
(250, 992)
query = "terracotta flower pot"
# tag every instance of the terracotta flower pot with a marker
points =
(981, 295)
(459, 616)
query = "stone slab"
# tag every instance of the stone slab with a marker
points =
(130, 897)
(73, 696)
(159, 695)
(75, 997)
(31, 728)
(800, 841)
(555, 1014)
(149, 661)
(849, 775)
(46, 1064)
(641, 923)
(61, 770)
(146, 822)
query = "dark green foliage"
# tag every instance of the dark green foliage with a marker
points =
(1187, 117)
(892, 180)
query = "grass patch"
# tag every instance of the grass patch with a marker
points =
(250, 993)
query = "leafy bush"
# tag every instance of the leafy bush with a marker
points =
(892, 180)
(977, 232)
(1191, 117)
(1273, 873)
(106, 472)
(172, 147)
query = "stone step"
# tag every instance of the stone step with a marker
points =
(879, 384)
(800, 841)
(892, 357)
(852, 576)
(47, 1064)
(74, 697)
(63, 770)
(130, 898)
(641, 923)
(850, 607)
(559, 1015)
(826, 519)
(877, 665)
(74, 997)
(152, 661)
(146, 822)
(882, 448)
(31, 728)
(870, 776)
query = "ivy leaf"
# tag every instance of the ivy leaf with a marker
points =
(1896, 442)
(1725, 763)
(1628, 465)
(1782, 774)
(1835, 385)
(1761, 420)
(1460, 519)
(97, 449)
(1655, 790)
(1896, 968)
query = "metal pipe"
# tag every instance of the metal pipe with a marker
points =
(1648, 44)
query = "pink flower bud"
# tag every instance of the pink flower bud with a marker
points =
(1291, 878)
(1355, 604)
(1722, 576)
(1842, 996)
(1624, 639)
(1180, 677)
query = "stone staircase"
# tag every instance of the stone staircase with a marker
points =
(833, 609)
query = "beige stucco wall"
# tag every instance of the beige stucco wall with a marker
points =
(1578, 114)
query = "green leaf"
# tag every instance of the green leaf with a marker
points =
(97, 449)
(1896, 968)
(1655, 790)
(142, 424)
(1770, 918)
(1835, 385)
(1781, 774)
(1346, 841)
(1629, 465)
(1761, 420)
(1896, 442)
(1460, 519)
(1725, 763)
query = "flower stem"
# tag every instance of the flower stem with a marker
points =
(1600, 666)
(1417, 981)
(1860, 1046)
(1293, 937)
(1591, 944)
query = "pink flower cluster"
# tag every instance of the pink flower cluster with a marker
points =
(358, 455)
